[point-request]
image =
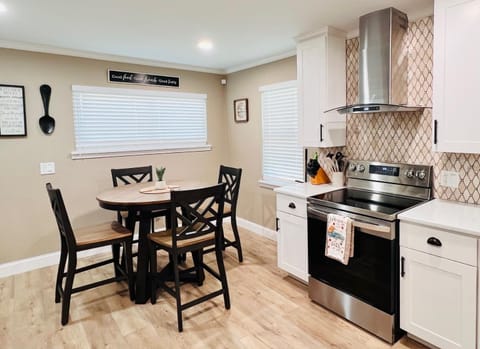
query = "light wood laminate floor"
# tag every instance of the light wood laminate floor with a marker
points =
(269, 310)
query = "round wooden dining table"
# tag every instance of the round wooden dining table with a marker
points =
(141, 200)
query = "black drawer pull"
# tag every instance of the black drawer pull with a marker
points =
(292, 205)
(402, 267)
(434, 241)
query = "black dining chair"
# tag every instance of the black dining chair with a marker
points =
(196, 217)
(231, 177)
(125, 176)
(131, 175)
(83, 239)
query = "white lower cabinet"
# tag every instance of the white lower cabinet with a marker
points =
(438, 289)
(292, 243)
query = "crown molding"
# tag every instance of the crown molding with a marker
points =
(262, 61)
(17, 45)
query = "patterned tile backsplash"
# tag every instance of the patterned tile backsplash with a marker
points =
(407, 137)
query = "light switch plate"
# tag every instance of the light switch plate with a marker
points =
(449, 179)
(47, 168)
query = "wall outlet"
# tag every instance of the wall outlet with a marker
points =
(449, 179)
(47, 168)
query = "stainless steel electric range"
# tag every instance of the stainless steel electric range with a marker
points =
(366, 291)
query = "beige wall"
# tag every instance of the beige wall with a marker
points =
(27, 226)
(245, 139)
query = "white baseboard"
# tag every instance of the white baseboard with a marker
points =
(257, 229)
(45, 260)
(49, 259)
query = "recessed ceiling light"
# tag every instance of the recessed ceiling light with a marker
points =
(3, 8)
(205, 45)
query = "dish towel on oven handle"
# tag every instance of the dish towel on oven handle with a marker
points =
(339, 238)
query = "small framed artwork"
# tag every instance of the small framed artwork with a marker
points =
(240, 110)
(13, 121)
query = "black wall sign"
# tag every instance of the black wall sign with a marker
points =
(141, 78)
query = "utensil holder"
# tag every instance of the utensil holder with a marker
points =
(337, 179)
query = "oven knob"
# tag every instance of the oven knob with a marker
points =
(361, 168)
(352, 167)
(421, 175)
(409, 173)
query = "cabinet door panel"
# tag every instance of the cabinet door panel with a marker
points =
(292, 245)
(321, 80)
(456, 74)
(310, 60)
(438, 300)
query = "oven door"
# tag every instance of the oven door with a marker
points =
(372, 273)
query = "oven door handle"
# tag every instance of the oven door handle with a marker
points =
(369, 226)
(382, 231)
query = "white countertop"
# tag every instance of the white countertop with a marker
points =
(449, 215)
(304, 190)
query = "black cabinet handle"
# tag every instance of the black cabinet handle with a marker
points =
(402, 267)
(321, 133)
(435, 125)
(434, 241)
(276, 224)
(292, 205)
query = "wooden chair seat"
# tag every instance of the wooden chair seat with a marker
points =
(227, 211)
(164, 238)
(97, 234)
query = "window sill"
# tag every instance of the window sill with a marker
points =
(83, 155)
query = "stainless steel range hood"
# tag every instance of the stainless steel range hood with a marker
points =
(383, 64)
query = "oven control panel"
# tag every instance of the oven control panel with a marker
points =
(410, 174)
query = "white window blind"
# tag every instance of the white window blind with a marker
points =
(119, 120)
(282, 155)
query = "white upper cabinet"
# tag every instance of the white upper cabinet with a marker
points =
(322, 85)
(456, 76)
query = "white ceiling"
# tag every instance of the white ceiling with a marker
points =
(165, 33)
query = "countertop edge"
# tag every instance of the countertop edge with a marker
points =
(448, 228)
(412, 216)
(305, 190)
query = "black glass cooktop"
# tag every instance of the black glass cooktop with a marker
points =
(365, 202)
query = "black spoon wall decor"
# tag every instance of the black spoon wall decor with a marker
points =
(47, 123)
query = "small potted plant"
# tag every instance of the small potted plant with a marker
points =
(160, 183)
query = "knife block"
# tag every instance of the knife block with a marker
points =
(320, 178)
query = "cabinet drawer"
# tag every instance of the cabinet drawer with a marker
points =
(453, 246)
(292, 205)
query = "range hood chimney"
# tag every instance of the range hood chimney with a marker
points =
(383, 64)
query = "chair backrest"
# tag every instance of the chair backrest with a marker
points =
(200, 212)
(61, 216)
(131, 175)
(231, 177)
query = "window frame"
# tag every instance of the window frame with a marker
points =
(87, 154)
(273, 182)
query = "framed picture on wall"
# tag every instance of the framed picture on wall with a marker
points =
(13, 121)
(240, 110)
